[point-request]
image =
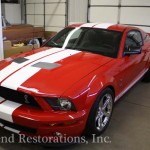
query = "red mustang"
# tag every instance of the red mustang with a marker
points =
(68, 87)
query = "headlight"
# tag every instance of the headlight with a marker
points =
(60, 104)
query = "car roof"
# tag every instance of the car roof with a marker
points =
(109, 26)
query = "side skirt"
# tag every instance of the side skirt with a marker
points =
(132, 83)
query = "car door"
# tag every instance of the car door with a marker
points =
(134, 64)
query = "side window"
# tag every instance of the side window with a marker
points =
(133, 39)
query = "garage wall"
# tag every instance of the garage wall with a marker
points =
(103, 11)
(12, 12)
(77, 11)
(132, 12)
(54, 10)
(136, 12)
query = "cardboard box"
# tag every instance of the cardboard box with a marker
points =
(7, 45)
(18, 50)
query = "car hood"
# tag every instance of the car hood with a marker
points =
(50, 72)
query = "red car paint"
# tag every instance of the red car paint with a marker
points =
(80, 78)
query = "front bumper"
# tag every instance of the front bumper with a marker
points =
(34, 121)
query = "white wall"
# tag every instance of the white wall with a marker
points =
(137, 15)
(12, 12)
(131, 12)
(77, 11)
(103, 11)
(55, 11)
(35, 12)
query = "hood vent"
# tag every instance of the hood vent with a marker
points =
(45, 65)
(20, 60)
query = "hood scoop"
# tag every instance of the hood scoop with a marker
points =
(20, 60)
(45, 65)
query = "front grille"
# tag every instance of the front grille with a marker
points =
(18, 97)
(18, 127)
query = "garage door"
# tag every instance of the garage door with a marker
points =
(48, 13)
(132, 12)
(77, 11)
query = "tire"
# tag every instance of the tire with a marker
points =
(98, 115)
(146, 77)
(34, 41)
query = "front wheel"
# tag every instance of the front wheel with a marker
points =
(101, 113)
(146, 77)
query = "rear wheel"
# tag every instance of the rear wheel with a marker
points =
(146, 77)
(101, 113)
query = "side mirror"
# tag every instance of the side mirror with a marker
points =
(133, 50)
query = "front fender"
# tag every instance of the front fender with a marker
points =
(85, 92)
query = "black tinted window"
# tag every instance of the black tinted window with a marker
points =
(99, 41)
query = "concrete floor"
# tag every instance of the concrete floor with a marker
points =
(129, 128)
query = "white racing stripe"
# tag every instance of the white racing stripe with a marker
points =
(9, 70)
(6, 110)
(103, 25)
(15, 80)
(43, 53)
(59, 56)
(88, 25)
(15, 66)
(18, 78)
(68, 37)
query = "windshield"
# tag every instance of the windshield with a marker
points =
(94, 40)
